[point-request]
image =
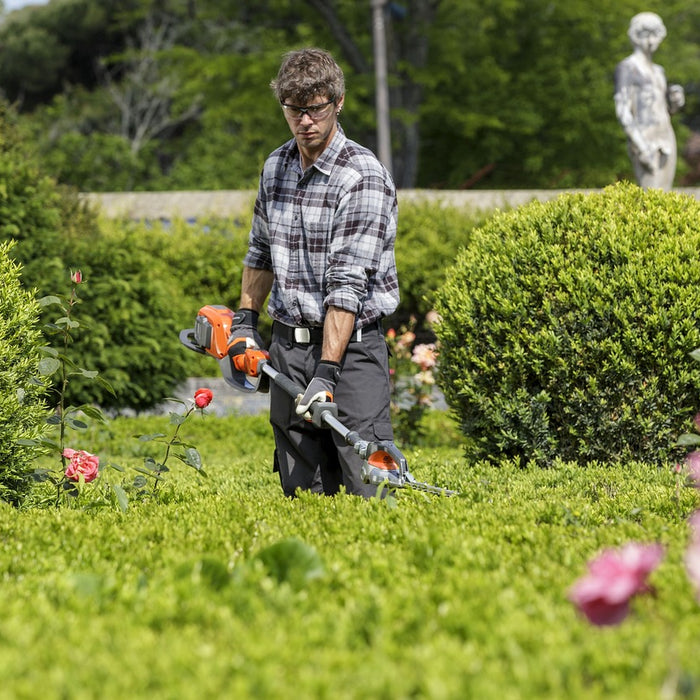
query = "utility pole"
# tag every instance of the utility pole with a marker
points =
(382, 85)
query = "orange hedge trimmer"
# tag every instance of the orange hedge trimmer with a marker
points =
(383, 462)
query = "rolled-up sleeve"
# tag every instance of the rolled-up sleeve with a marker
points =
(361, 228)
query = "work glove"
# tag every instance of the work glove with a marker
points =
(244, 324)
(320, 388)
(244, 330)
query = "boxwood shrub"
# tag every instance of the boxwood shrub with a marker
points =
(22, 411)
(567, 326)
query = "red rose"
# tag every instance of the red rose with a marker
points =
(203, 397)
(76, 277)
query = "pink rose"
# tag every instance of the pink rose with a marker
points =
(692, 565)
(694, 522)
(76, 277)
(613, 578)
(692, 461)
(203, 397)
(433, 317)
(424, 355)
(81, 462)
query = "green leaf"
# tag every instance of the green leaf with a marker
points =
(48, 366)
(122, 498)
(151, 473)
(49, 300)
(54, 419)
(695, 354)
(76, 424)
(92, 412)
(66, 322)
(105, 385)
(688, 439)
(40, 475)
(89, 373)
(292, 561)
(177, 418)
(192, 458)
(149, 438)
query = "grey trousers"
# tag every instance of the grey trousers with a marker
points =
(317, 459)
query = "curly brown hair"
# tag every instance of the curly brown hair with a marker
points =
(306, 73)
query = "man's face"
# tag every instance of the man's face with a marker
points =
(313, 124)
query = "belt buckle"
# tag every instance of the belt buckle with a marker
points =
(302, 335)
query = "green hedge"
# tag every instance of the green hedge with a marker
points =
(429, 235)
(567, 327)
(22, 411)
(205, 591)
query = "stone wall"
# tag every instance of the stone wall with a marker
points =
(192, 204)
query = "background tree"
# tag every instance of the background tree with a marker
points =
(495, 93)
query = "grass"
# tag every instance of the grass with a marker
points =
(222, 588)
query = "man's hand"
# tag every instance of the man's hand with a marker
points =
(320, 388)
(244, 325)
(244, 331)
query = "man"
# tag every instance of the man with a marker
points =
(322, 246)
(643, 104)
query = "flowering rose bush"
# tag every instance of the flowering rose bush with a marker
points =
(613, 579)
(82, 465)
(174, 446)
(412, 368)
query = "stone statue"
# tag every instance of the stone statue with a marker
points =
(644, 103)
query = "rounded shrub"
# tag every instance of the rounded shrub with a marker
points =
(22, 411)
(567, 326)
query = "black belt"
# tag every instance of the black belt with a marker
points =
(313, 335)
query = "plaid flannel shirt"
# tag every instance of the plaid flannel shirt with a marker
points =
(327, 234)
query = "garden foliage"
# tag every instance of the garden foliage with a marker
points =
(22, 412)
(224, 588)
(428, 236)
(567, 329)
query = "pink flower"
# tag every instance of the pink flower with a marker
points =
(696, 421)
(694, 522)
(406, 339)
(391, 334)
(76, 277)
(203, 397)
(692, 565)
(614, 577)
(424, 355)
(433, 317)
(692, 461)
(81, 462)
